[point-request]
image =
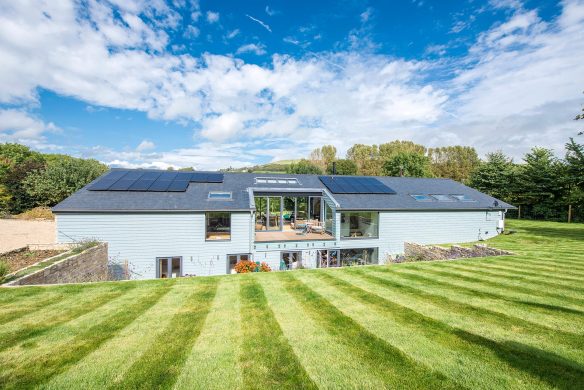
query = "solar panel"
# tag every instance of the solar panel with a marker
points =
(355, 185)
(178, 186)
(139, 180)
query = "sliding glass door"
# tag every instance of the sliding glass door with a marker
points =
(275, 213)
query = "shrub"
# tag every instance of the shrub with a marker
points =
(245, 266)
(37, 213)
(4, 270)
(264, 267)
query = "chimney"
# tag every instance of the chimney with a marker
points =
(334, 167)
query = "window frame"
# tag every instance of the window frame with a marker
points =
(428, 198)
(459, 196)
(376, 237)
(448, 198)
(229, 193)
(207, 226)
(249, 257)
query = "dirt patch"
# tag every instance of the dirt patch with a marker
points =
(17, 233)
(23, 258)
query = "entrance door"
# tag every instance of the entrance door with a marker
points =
(169, 267)
(327, 258)
(290, 260)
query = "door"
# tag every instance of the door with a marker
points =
(327, 258)
(169, 267)
(291, 260)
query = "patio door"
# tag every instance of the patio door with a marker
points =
(326, 258)
(168, 267)
(290, 260)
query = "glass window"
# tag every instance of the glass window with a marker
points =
(169, 267)
(218, 225)
(275, 214)
(232, 260)
(358, 256)
(328, 217)
(360, 224)
(422, 198)
(442, 198)
(463, 198)
(220, 195)
(276, 180)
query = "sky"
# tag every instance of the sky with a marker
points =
(236, 83)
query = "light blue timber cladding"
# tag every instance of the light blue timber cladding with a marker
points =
(141, 238)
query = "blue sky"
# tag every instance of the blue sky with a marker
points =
(218, 84)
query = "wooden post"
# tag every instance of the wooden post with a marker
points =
(519, 212)
(569, 213)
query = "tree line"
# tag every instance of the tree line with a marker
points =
(31, 179)
(545, 186)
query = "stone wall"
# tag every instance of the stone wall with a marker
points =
(413, 251)
(91, 265)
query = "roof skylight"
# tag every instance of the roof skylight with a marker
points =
(442, 198)
(463, 198)
(219, 195)
(276, 180)
(421, 197)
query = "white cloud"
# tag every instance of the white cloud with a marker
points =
(264, 25)
(258, 49)
(145, 145)
(271, 11)
(232, 34)
(513, 89)
(192, 32)
(212, 17)
(19, 126)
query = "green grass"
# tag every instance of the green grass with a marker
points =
(503, 322)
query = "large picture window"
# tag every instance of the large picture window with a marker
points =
(358, 256)
(218, 226)
(360, 224)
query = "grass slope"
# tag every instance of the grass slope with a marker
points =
(512, 322)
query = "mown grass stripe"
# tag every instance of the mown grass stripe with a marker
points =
(213, 361)
(520, 326)
(314, 347)
(76, 309)
(516, 276)
(42, 368)
(390, 364)
(521, 364)
(267, 360)
(539, 265)
(536, 275)
(25, 308)
(476, 291)
(509, 282)
(160, 365)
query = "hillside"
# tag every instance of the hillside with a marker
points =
(503, 322)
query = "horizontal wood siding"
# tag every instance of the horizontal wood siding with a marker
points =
(141, 238)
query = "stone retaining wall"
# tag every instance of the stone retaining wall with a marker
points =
(91, 265)
(413, 251)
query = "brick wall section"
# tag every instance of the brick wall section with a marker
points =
(413, 251)
(90, 265)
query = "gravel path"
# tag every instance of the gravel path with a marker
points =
(16, 233)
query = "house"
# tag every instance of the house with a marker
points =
(167, 224)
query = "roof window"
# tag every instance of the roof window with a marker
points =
(217, 195)
(421, 197)
(442, 198)
(276, 180)
(463, 198)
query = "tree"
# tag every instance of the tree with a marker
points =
(304, 167)
(323, 156)
(495, 176)
(16, 163)
(62, 176)
(390, 149)
(575, 163)
(410, 164)
(367, 159)
(454, 162)
(343, 167)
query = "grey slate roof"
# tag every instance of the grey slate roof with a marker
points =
(195, 198)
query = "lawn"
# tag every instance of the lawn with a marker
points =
(500, 322)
